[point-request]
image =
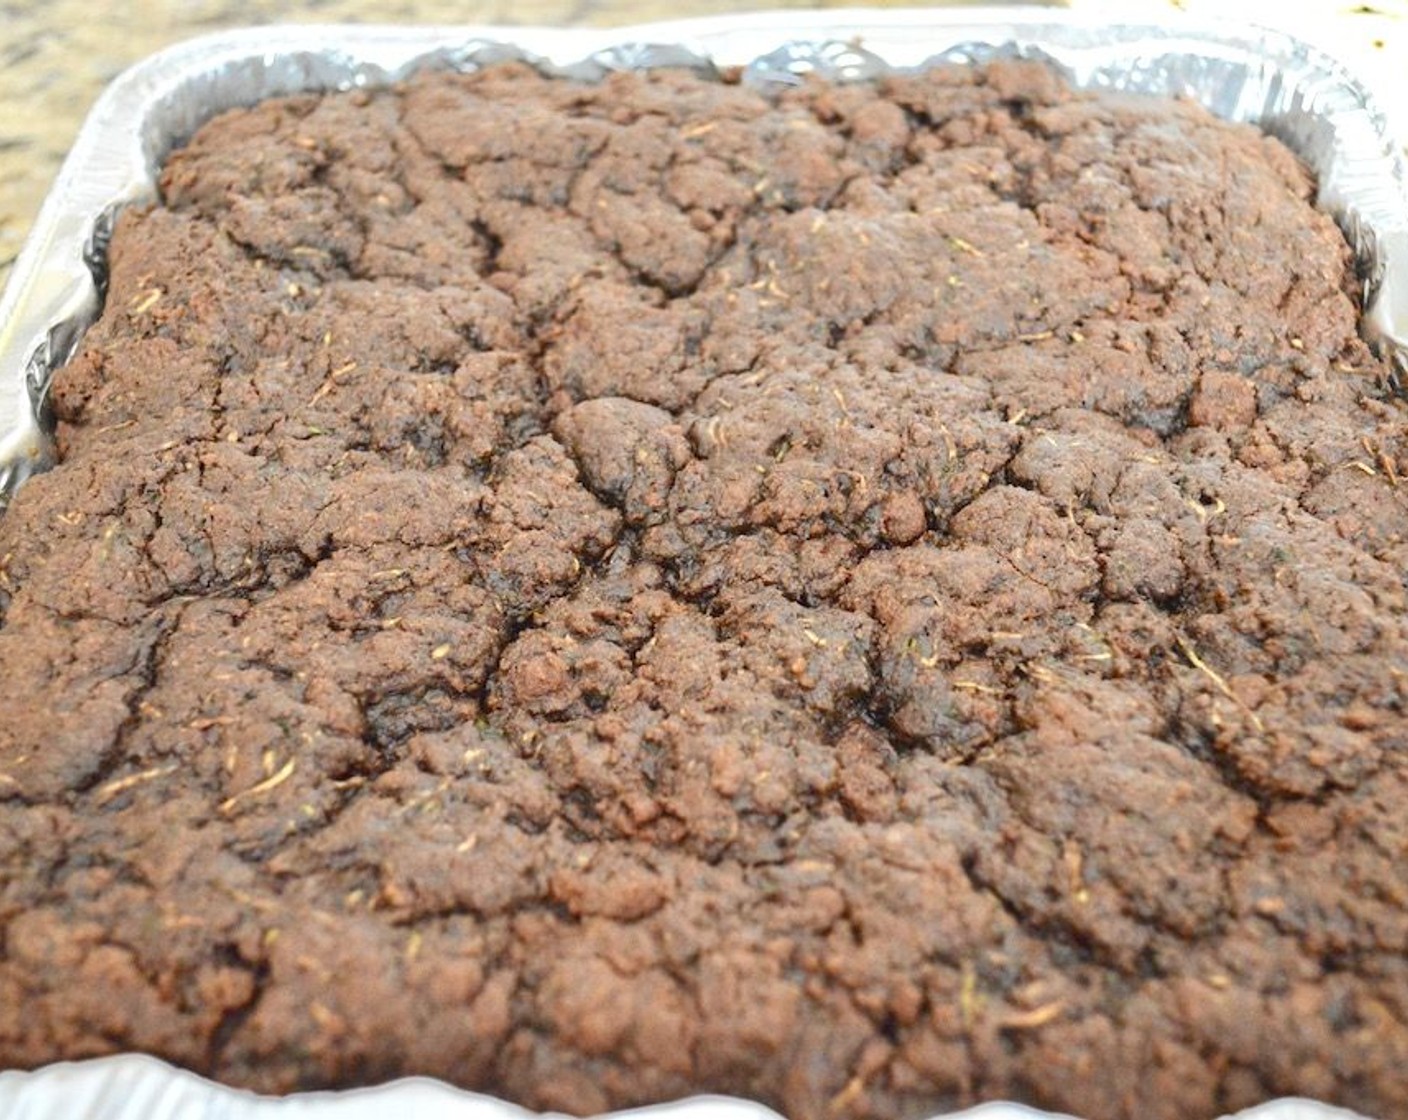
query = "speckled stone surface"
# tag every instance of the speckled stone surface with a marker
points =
(56, 55)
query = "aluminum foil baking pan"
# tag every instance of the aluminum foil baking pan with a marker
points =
(55, 292)
(1246, 74)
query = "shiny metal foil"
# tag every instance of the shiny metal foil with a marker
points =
(1287, 87)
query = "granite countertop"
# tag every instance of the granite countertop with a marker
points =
(56, 55)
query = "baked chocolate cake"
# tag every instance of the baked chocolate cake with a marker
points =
(870, 598)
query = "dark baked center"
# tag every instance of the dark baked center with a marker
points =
(873, 600)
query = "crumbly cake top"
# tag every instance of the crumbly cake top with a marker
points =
(872, 599)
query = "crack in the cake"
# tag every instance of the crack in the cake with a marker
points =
(1051, 928)
(233, 1019)
(147, 669)
(1194, 738)
(493, 245)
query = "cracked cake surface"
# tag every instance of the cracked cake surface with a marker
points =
(870, 598)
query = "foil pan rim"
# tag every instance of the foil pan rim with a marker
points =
(151, 1089)
(54, 294)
